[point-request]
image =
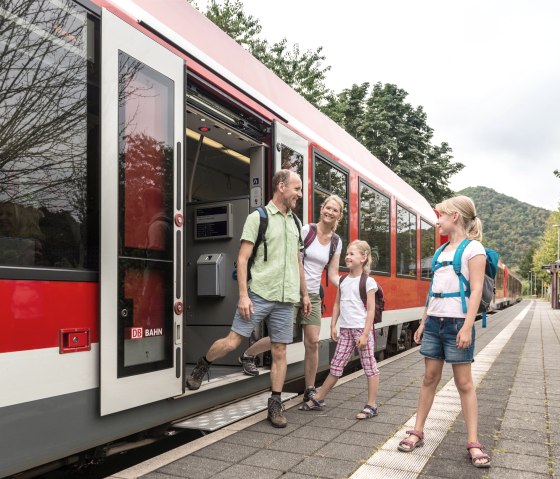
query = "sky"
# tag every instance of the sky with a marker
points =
(486, 72)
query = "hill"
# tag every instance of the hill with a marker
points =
(509, 226)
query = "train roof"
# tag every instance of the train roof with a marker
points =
(191, 30)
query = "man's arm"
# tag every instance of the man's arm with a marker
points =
(244, 305)
(305, 301)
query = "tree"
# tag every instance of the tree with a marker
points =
(397, 134)
(547, 249)
(303, 71)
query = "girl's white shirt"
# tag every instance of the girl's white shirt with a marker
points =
(352, 311)
(316, 258)
(447, 281)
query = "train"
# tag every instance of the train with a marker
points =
(136, 137)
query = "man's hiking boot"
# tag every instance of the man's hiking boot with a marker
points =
(249, 366)
(197, 374)
(276, 412)
(309, 393)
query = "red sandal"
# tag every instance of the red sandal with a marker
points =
(411, 445)
(476, 457)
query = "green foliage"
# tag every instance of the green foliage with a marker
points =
(397, 134)
(392, 129)
(509, 226)
(547, 249)
(303, 71)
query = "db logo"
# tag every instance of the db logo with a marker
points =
(134, 333)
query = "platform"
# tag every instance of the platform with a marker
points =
(517, 372)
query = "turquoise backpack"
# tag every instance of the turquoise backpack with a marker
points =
(464, 286)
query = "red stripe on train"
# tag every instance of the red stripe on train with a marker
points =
(33, 312)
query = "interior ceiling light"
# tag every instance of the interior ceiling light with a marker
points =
(218, 146)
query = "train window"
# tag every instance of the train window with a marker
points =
(375, 226)
(49, 132)
(331, 180)
(406, 242)
(293, 161)
(427, 247)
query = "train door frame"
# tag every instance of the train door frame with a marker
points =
(163, 377)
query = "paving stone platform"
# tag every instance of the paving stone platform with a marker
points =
(517, 369)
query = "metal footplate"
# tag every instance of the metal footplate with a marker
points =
(229, 414)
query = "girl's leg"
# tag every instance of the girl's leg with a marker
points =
(311, 342)
(373, 384)
(326, 387)
(432, 376)
(469, 405)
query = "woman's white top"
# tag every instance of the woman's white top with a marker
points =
(446, 281)
(316, 258)
(352, 311)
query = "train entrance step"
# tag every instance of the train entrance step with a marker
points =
(229, 414)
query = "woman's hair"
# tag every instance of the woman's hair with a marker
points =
(340, 204)
(364, 248)
(467, 213)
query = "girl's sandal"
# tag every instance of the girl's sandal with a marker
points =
(367, 412)
(406, 445)
(315, 405)
(478, 457)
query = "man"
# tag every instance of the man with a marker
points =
(265, 296)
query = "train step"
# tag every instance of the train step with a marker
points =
(229, 414)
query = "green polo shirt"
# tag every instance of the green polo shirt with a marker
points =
(277, 278)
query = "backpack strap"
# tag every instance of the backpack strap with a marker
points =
(261, 238)
(297, 221)
(311, 235)
(363, 293)
(464, 286)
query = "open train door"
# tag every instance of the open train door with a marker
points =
(141, 218)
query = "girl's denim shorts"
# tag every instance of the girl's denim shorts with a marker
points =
(439, 340)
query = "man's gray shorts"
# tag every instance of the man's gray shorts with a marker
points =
(279, 318)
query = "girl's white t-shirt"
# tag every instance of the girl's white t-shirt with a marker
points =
(316, 258)
(352, 311)
(447, 281)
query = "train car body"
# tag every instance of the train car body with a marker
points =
(136, 137)
(508, 288)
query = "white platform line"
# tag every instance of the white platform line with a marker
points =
(390, 463)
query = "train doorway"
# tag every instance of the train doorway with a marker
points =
(226, 179)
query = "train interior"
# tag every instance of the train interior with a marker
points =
(222, 161)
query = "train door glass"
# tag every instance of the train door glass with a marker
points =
(291, 153)
(141, 291)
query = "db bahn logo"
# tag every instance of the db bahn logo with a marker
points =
(134, 333)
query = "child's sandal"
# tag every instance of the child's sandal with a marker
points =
(367, 412)
(315, 405)
(478, 457)
(410, 446)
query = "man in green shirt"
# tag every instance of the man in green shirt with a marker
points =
(275, 286)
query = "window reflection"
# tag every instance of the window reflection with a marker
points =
(428, 245)
(293, 161)
(406, 242)
(49, 135)
(375, 222)
(329, 180)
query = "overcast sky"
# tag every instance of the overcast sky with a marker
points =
(487, 73)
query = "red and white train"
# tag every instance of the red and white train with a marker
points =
(135, 138)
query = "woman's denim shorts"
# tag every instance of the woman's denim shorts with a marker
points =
(439, 340)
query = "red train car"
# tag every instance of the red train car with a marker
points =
(508, 288)
(136, 137)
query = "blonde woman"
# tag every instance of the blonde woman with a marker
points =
(323, 248)
(356, 329)
(446, 333)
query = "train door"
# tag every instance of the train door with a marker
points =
(141, 207)
(291, 152)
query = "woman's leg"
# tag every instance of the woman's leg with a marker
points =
(258, 347)
(311, 342)
(469, 405)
